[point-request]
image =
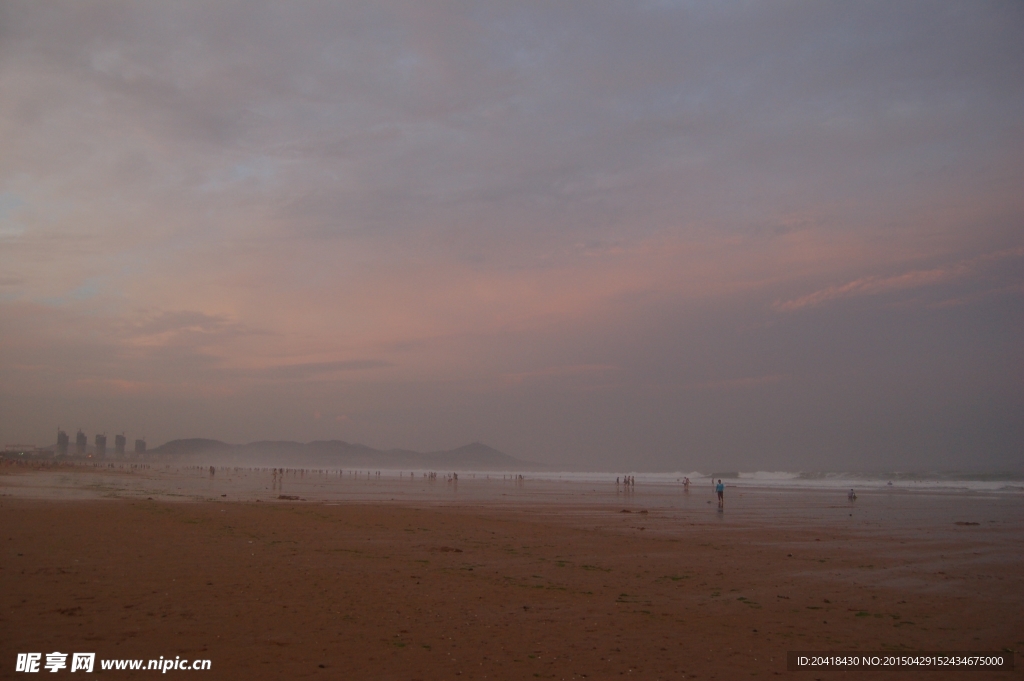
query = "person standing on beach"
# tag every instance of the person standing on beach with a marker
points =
(720, 488)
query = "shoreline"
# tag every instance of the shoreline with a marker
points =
(399, 481)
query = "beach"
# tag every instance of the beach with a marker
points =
(496, 579)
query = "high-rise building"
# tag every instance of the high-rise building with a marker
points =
(101, 446)
(119, 442)
(80, 443)
(140, 446)
(62, 443)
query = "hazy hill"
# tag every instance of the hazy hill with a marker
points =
(337, 454)
(476, 455)
(195, 445)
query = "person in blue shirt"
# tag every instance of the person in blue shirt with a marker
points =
(720, 488)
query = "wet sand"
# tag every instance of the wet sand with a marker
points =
(558, 582)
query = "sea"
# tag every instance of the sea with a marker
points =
(816, 480)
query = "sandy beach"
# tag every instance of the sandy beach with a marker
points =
(578, 581)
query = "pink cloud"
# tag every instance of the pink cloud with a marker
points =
(114, 386)
(873, 285)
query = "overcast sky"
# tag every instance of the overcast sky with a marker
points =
(618, 235)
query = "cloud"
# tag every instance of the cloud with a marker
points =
(874, 285)
(180, 331)
(181, 320)
(113, 386)
(316, 370)
(559, 372)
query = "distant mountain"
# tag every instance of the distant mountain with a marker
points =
(195, 445)
(338, 454)
(476, 454)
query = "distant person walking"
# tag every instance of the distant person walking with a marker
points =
(720, 489)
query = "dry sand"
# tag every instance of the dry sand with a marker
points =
(361, 590)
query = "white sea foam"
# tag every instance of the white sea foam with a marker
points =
(1000, 482)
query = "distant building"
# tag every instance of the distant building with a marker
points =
(81, 441)
(119, 443)
(140, 446)
(101, 446)
(62, 443)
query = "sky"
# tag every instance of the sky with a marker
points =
(601, 235)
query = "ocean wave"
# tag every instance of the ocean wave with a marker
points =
(769, 475)
(1007, 483)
